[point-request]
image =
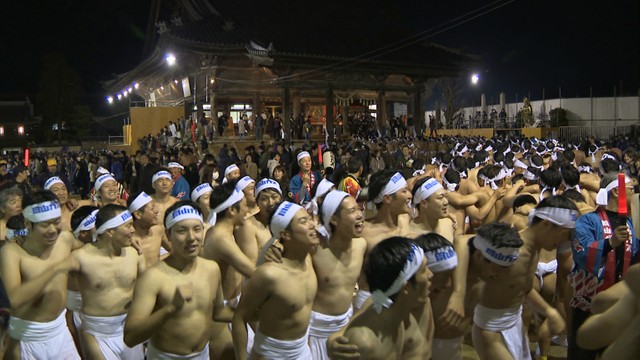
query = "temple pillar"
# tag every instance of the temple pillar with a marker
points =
(381, 112)
(418, 112)
(286, 112)
(329, 117)
(296, 104)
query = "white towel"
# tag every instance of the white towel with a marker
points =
(546, 268)
(109, 334)
(38, 340)
(361, 297)
(446, 349)
(507, 322)
(154, 354)
(274, 349)
(74, 304)
(321, 327)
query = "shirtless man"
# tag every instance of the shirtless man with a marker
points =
(175, 301)
(106, 187)
(35, 277)
(148, 233)
(229, 208)
(57, 186)
(162, 183)
(392, 198)
(337, 264)
(497, 330)
(314, 205)
(452, 183)
(433, 205)
(281, 295)
(247, 185)
(254, 233)
(397, 274)
(108, 272)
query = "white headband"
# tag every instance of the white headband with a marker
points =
(175, 165)
(163, 174)
(464, 150)
(182, 213)
(116, 221)
(420, 171)
(244, 182)
(608, 156)
(559, 216)
(602, 198)
(268, 184)
(230, 168)
(102, 170)
(235, 196)
(530, 176)
(52, 181)
(441, 259)
(302, 155)
(451, 187)
(103, 179)
(10, 234)
(414, 262)
(140, 201)
(43, 211)
(330, 205)
(283, 216)
(200, 190)
(504, 256)
(395, 184)
(585, 169)
(323, 188)
(520, 164)
(88, 223)
(426, 190)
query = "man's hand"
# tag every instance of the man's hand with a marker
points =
(136, 244)
(69, 264)
(620, 235)
(339, 348)
(306, 178)
(72, 204)
(184, 293)
(274, 253)
(453, 317)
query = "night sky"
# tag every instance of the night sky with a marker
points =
(525, 46)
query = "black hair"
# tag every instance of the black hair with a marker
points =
(107, 213)
(385, 262)
(536, 160)
(354, 164)
(551, 178)
(452, 176)
(37, 197)
(573, 194)
(569, 155)
(610, 165)
(570, 175)
(524, 199)
(16, 222)
(219, 195)
(459, 163)
(499, 235)
(181, 203)
(378, 181)
(432, 241)
(560, 202)
(79, 215)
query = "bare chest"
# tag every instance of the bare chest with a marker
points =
(103, 273)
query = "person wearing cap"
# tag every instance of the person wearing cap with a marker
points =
(391, 198)
(175, 300)
(551, 226)
(149, 235)
(605, 246)
(280, 295)
(108, 271)
(162, 183)
(254, 233)
(337, 264)
(180, 188)
(301, 183)
(83, 228)
(35, 275)
(21, 178)
(396, 270)
(52, 170)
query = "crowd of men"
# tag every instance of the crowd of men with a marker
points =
(371, 248)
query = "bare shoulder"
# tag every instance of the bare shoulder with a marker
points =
(209, 265)
(365, 339)
(268, 273)
(66, 238)
(11, 249)
(360, 244)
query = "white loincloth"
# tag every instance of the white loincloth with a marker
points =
(321, 327)
(274, 349)
(361, 297)
(109, 334)
(507, 322)
(155, 354)
(74, 304)
(38, 340)
(546, 268)
(447, 349)
(233, 303)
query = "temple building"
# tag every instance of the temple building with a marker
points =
(293, 58)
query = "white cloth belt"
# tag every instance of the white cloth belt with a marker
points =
(104, 326)
(322, 325)
(508, 322)
(25, 330)
(154, 354)
(271, 348)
